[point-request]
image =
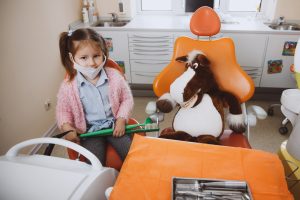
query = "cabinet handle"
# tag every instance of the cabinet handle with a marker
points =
(145, 75)
(163, 54)
(251, 70)
(138, 45)
(150, 63)
(252, 74)
(161, 36)
(152, 41)
(149, 50)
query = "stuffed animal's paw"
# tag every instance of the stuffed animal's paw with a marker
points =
(164, 106)
(177, 135)
(165, 103)
(207, 139)
(236, 123)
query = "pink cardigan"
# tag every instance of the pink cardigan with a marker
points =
(70, 110)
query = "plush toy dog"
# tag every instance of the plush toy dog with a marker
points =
(200, 117)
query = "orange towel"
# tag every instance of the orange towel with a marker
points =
(151, 163)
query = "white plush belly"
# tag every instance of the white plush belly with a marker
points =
(204, 119)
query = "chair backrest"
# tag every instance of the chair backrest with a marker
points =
(220, 52)
(112, 64)
(205, 22)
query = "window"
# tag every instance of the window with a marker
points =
(156, 5)
(179, 6)
(240, 6)
(160, 6)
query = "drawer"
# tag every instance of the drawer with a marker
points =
(254, 73)
(151, 55)
(256, 80)
(150, 41)
(151, 47)
(143, 77)
(150, 36)
(148, 65)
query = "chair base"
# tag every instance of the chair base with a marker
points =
(228, 138)
(232, 139)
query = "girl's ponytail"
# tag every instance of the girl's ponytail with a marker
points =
(64, 47)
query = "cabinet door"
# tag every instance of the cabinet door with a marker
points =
(117, 43)
(153, 46)
(279, 58)
(249, 48)
(149, 53)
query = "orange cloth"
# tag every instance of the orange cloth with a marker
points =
(151, 163)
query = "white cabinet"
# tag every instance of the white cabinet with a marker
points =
(279, 58)
(117, 43)
(250, 52)
(149, 53)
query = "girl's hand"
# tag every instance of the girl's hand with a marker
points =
(72, 136)
(119, 127)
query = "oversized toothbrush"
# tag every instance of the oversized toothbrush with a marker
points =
(147, 126)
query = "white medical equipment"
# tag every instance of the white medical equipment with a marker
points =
(293, 143)
(289, 151)
(290, 98)
(37, 177)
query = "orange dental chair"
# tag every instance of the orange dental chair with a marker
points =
(221, 53)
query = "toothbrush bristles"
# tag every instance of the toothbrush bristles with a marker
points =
(151, 126)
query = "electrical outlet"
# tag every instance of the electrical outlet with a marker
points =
(47, 104)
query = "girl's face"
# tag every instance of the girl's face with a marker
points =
(89, 55)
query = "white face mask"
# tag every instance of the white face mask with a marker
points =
(90, 72)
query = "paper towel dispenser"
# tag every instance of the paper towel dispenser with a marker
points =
(192, 5)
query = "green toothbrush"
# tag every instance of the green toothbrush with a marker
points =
(147, 126)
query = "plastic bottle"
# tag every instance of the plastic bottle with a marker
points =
(85, 16)
(121, 8)
(91, 11)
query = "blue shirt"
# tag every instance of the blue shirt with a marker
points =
(94, 98)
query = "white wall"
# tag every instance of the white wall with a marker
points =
(290, 9)
(31, 70)
(104, 7)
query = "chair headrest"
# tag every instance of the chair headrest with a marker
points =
(205, 22)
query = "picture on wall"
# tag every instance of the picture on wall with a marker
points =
(289, 48)
(109, 44)
(274, 66)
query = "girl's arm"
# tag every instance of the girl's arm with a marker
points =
(119, 129)
(64, 115)
(71, 136)
(126, 100)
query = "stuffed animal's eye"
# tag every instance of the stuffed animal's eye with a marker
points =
(195, 65)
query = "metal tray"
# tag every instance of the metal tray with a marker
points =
(209, 189)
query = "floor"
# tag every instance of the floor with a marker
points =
(264, 136)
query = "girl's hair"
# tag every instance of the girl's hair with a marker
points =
(67, 45)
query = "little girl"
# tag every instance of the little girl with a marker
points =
(92, 96)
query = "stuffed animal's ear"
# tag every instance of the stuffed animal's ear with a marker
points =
(202, 59)
(182, 59)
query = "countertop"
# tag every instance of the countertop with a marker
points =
(181, 23)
